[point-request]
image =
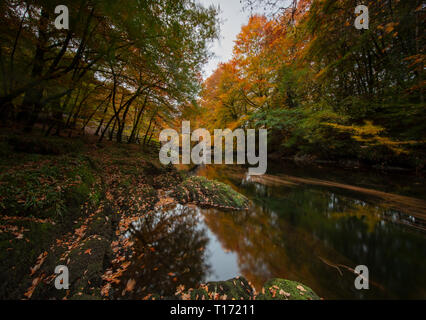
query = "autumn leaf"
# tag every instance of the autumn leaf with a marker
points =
(283, 293)
(130, 285)
(40, 261)
(34, 284)
(301, 288)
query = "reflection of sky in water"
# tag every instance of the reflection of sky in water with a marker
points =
(224, 264)
(301, 232)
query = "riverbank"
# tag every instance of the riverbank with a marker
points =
(355, 164)
(63, 202)
(72, 202)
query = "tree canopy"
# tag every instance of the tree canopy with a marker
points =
(323, 87)
(125, 67)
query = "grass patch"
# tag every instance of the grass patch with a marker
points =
(47, 188)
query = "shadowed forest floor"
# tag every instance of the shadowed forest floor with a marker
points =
(73, 202)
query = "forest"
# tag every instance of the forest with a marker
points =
(324, 89)
(124, 71)
(122, 68)
(82, 187)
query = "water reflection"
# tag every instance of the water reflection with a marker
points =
(169, 251)
(317, 236)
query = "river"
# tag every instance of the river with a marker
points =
(312, 225)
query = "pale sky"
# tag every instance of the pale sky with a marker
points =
(232, 19)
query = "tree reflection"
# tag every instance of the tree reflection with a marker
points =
(169, 251)
(302, 233)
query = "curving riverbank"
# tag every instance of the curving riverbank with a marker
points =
(77, 206)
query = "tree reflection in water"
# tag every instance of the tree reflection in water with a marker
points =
(307, 233)
(169, 251)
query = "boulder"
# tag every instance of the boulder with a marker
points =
(281, 289)
(209, 193)
(240, 289)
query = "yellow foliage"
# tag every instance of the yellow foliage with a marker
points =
(370, 135)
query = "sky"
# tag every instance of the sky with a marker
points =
(232, 19)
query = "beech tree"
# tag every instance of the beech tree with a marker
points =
(315, 81)
(115, 58)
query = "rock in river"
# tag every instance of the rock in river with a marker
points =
(209, 193)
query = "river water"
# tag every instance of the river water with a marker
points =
(312, 225)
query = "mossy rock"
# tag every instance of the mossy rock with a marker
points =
(236, 288)
(281, 289)
(76, 195)
(100, 225)
(209, 193)
(240, 289)
(87, 263)
(17, 256)
(89, 256)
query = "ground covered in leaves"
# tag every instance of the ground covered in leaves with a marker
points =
(71, 202)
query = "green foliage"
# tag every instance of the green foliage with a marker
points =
(126, 67)
(313, 80)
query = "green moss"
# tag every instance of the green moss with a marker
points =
(57, 181)
(239, 289)
(38, 181)
(95, 197)
(280, 289)
(211, 193)
(76, 195)
(46, 190)
(197, 294)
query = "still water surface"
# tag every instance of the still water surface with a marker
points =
(297, 228)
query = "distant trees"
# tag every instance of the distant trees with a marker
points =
(314, 80)
(119, 61)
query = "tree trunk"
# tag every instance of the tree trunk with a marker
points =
(138, 119)
(31, 105)
(111, 134)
